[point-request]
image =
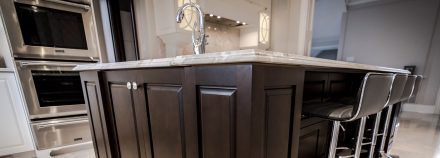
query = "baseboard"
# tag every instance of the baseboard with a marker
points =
(419, 108)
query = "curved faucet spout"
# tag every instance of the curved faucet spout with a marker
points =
(198, 42)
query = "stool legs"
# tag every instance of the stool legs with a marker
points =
(374, 135)
(385, 130)
(360, 137)
(334, 141)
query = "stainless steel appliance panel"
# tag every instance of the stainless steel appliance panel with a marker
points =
(22, 50)
(26, 71)
(61, 132)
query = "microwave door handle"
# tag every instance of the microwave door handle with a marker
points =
(85, 7)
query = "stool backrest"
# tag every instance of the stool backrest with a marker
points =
(373, 95)
(409, 86)
(417, 85)
(397, 89)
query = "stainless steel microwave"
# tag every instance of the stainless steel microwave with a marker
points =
(51, 29)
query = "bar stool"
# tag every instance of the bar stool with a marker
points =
(396, 93)
(406, 94)
(417, 85)
(371, 98)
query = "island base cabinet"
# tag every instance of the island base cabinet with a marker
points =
(221, 111)
(314, 138)
(15, 136)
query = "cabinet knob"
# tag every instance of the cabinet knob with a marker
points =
(135, 86)
(128, 85)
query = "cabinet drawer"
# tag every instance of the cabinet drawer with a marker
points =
(61, 132)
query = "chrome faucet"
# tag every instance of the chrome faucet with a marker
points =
(200, 41)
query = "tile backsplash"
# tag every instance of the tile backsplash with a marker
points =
(221, 38)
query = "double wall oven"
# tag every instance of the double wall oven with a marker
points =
(48, 38)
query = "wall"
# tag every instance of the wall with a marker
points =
(150, 46)
(431, 85)
(291, 26)
(393, 35)
(327, 22)
(5, 49)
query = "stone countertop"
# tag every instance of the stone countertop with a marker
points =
(6, 70)
(238, 56)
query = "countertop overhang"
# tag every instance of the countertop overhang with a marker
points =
(235, 57)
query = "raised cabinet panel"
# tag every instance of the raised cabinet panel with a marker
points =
(313, 140)
(279, 105)
(165, 104)
(125, 121)
(217, 120)
(15, 134)
(95, 116)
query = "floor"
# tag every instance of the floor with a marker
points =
(418, 136)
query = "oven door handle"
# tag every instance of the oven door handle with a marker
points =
(70, 149)
(76, 5)
(61, 123)
(24, 64)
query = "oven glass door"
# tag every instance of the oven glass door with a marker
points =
(41, 26)
(51, 89)
(58, 88)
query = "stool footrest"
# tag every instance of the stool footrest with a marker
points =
(368, 143)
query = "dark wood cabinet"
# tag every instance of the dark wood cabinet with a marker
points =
(314, 138)
(221, 111)
(217, 111)
(143, 113)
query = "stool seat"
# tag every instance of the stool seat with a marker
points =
(330, 110)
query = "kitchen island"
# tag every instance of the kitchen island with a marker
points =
(242, 104)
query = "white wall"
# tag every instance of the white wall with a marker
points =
(327, 23)
(431, 84)
(5, 49)
(291, 26)
(149, 44)
(394, 35)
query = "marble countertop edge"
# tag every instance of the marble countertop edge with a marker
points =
(238, 56)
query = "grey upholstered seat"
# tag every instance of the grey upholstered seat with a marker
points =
(331, 110)
(398, 88)
(409, 86)
(417, 85)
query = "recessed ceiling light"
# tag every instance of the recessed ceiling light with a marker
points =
(211, 15)
(244, 23)
(238, 22)
(218, 17)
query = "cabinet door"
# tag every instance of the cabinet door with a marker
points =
(15, 133)
(149, 118)
(314, 139)
(127, 130)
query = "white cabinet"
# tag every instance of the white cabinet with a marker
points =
(15, 135)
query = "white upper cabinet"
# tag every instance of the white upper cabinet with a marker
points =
(15, 135)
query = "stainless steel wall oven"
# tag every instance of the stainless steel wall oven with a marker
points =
(51, 89)
(51, 29)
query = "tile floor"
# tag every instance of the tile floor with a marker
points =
(418, 136)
